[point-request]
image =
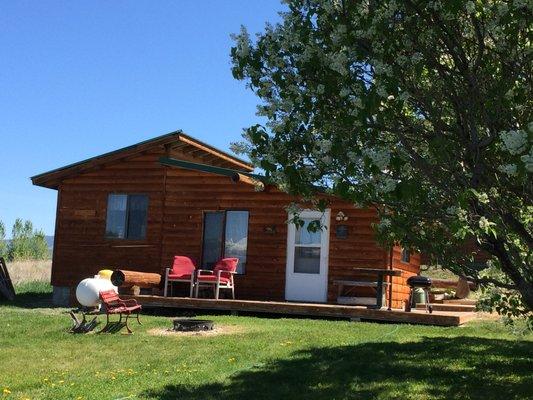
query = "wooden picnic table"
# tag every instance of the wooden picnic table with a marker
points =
(378, 283)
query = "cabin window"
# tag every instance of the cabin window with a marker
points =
(225, 236)
(406, 255)
(126, 216)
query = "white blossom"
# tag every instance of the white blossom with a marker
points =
(404, 96)
(380, 158)
(324, 146)
(527, 159)
(416, 57)
(382, 92)
(509, 169)
(402, 60)
(338, 34)
(243, 43)
(515, 142)
(384, 223)
(338, 63)
(345, 92)
(386, 185)
(452, 210)
(483, 198)
(485, 224)
(357, 102)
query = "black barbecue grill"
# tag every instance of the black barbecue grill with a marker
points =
(422, 282)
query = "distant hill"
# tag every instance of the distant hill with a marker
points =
(49, 242)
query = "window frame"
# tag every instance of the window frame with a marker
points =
(127, 217)
(223, 247)
(403, 259)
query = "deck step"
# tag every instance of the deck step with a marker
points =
(465, 302)
(448, 307)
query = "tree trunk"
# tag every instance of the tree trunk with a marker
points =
(525, 287)
(526, 290)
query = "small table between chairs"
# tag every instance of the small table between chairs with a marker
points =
(378, 284)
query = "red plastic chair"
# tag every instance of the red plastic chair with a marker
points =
(220, 278)
(183, 270)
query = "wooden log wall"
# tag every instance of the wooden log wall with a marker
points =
(178, 199)
(400, 289)
(190, 193)
(81, 246)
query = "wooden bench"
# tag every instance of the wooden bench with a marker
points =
(115, 305)
(378, 284)
(356, 300)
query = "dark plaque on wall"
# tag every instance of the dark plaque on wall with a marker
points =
(341, 231)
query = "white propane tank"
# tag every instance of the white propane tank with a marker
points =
(88, 291)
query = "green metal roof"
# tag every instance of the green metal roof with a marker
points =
(172, 162)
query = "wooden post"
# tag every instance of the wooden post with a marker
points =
(6, 286)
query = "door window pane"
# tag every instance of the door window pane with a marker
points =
(137, 213)
(303, 236)
(116, 216)
(213, 234)
(307, 260)
(236, 237)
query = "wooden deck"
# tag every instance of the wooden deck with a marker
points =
(440, 318)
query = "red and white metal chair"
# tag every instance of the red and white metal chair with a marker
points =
(221, 277)
(183, 270)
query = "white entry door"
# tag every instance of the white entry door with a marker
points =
(307, 259)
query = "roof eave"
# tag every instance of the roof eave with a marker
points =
(51, 179)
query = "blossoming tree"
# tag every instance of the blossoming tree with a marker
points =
(421, 109)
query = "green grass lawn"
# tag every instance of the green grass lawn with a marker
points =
(260, 358)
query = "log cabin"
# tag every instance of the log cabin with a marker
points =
(137, 207)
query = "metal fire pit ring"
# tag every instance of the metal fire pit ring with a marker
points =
(193, 325)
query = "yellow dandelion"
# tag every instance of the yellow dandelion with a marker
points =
(6, 391)
(232, 359)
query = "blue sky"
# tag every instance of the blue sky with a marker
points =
(78, 79)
